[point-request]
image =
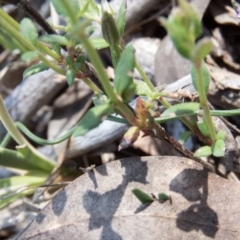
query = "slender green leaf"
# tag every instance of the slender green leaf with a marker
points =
(182, 109)
(142, 196)
(28, 30)
(206, 77)
(70, 75)
(203, 152)
(35, 69)
(218, 148)
(99, 43)
(142, 88)
(92, 119)
(54, 38)
(123, 79)
(121, 19)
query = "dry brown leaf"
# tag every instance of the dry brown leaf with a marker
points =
(100, 204)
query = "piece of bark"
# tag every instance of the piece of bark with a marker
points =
(100, 204)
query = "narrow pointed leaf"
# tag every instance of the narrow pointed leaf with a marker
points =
(92, 119)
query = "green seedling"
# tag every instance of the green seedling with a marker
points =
(162, 197)
(142, 196)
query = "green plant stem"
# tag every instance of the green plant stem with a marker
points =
(14, 33)
(41, 140)
(163, 101)
(204, 104)
(15, 25)
(145, 77)
(5, 140)
(17, 136)
(92, 85)
(103, 78)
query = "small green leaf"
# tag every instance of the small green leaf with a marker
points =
(30, 56)
(54, 38)
(162, 197)
(109, 29)
(184, 137)
(203, 127)
(206, 77)
(182, 109)
(121, 19)
(123, 79)
(142, 88)
(99, 43)
(142, 196)
(218, 148)
(221, 135)
(57, 48)
(201, 50)
(129, 137)
(35, 69)
(70, 75)
(28, 30)
(91, 119)
(90, 10)
(203, 152)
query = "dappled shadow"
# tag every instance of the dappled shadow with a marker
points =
(192, 184)
(102, 207)
(59, 202)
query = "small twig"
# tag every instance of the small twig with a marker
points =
(161, 134)
(34, 15)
